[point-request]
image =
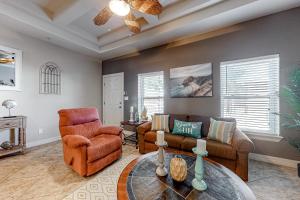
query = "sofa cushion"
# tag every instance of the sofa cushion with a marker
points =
(178, 117)
(102, 145)
(192, 118)
(214, 148)
(197, 118)
(160, 122)
(173, 141)
(221, 131)
(205, 123)
(188, 129)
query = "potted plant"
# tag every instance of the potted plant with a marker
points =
(291, 94)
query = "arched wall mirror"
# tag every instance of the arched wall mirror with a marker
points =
(50, 79)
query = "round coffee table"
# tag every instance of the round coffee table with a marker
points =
(138, 181)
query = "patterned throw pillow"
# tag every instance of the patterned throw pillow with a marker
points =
(188, 129)
(221, 131)
(160, 123)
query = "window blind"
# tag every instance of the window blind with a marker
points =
(249, 93)
(151, 92)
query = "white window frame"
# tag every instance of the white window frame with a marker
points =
(275, 130)
(141, 94)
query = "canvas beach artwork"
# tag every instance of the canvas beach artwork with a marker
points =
(191, 81)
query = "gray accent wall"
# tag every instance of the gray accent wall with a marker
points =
(274, 34)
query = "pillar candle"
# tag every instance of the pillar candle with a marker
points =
(201, 145)
(131, 109)
(160, 137)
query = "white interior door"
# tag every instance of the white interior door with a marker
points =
(113, 102)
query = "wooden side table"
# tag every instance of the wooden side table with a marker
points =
(134, 126)
(11, 124)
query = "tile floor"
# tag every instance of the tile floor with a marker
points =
(42, 174)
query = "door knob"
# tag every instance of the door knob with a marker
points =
(120, 107)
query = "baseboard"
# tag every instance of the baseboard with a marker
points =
(274, 160)
(42, 141)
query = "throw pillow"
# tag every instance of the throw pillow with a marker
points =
(188, 129)
(221, 131)
(160, 123)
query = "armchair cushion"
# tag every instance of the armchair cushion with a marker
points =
(103, 145)
(88, 130)
(110, 130)
(75, 141)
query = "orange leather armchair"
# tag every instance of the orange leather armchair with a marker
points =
(88, 145)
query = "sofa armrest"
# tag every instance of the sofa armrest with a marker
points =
(110, 130)
(75, 141)
(241, 142)
(143, 128)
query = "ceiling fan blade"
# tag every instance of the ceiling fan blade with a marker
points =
(132, 23)
(103, 16)
(152, 7)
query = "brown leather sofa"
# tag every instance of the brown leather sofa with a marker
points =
(234, 156)
(88, 146)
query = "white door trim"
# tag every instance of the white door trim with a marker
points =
(122, 79)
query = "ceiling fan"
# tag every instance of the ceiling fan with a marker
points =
(124, 7)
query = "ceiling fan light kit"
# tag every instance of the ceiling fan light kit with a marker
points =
(123, 8)
(119, 7)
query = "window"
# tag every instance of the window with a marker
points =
(151, 92)
(249, 93)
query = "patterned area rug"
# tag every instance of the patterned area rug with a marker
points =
(104, 185)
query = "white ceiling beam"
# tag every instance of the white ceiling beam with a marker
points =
(226, 14)
(78, 9)
(177, 27)
(45, 26)
(172, 12)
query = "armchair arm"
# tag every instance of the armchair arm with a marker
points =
(75, 141)
(241, 142)
(143, 128)
(110, 130)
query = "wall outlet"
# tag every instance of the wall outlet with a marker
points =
(41, 131)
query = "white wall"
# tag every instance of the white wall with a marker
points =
(81, 84)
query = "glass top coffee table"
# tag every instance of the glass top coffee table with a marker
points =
(139, 181)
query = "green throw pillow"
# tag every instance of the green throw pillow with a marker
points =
(188, 129)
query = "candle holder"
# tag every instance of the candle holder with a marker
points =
(161, 169)
(198, 182)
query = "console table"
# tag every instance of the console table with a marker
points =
(12, 124)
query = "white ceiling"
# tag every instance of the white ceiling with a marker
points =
(69, 23)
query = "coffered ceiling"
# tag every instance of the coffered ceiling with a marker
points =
(69, 23)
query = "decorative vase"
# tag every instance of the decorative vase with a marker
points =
(144, 116)
(178, 169)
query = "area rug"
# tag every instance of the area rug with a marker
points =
(104, 185)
